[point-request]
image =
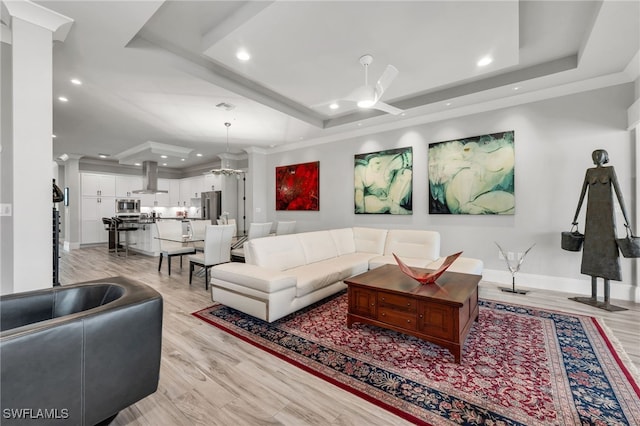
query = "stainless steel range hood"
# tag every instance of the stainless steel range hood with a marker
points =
(150, 179)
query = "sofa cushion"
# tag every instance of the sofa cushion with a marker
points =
(317, 246)
(351, 264)
(413, 244)
(252, 276)
(280, 253)
(416, 262)
(369, 240)
(343, 239)
(314, 276)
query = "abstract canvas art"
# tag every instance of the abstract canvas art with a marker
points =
(383, 182)
(473, 175)
(298, 186)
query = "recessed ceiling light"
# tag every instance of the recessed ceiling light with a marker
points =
(182, 159)
(53, 136)
(163, 156)
(485, 61)
(164, 164)
(359, 124)
(76, 81)
(63, 99)
(103, 155)
(334, 106)
(243, 55)
(516, 88)
(137, 164)
(198, 155)
(403, 114)
(448, 104)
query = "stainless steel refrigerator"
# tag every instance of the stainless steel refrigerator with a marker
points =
(211, 205)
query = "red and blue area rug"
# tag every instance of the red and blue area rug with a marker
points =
(520, 365)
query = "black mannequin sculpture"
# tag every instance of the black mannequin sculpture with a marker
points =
(600, 251)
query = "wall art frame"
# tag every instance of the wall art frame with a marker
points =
(383, 182)
(298, 187)
(473, 175)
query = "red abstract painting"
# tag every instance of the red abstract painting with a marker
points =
(298, 187)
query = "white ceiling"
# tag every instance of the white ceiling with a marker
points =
(154, 71)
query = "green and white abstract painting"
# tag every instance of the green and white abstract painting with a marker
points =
(473, 175)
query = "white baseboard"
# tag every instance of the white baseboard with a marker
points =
(619, 290)
(68, 246)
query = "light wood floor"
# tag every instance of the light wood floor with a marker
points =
(208, 377)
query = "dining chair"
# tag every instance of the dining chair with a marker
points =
(217, 250)
(285, 227)
(170, 237)
(256, 230)
(229, 222)
(197, 232)
(259, 230)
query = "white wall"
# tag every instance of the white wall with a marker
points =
(6, 169)
(553, 144)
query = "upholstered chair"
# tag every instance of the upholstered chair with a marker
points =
(197, 232)
(85, 350)
(229, 222)
(285, 227)
(256, 230)
(217, 249)
(170, 235)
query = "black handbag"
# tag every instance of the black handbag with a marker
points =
(629, 246)
(572, 240)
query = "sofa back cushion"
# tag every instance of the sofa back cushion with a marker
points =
(343, 239)
(279, 252)
(317, 246)
(369, 240)
(413, 243)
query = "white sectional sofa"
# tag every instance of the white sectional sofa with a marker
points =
(283, 274)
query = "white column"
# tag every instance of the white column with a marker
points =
(72, 218)
(257, 186)
(32, 31)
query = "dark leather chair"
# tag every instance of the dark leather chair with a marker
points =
(79, 353)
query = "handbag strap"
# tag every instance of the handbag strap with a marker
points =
(629, 230)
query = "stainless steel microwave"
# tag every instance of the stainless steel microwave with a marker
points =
(130, 206)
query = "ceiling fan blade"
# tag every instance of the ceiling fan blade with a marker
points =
(387, 108)
(385, 80)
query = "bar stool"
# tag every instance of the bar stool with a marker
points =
(119, 227)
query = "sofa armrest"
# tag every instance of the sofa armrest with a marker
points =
(252, 276)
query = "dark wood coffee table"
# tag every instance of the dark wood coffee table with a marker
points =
(440, 313)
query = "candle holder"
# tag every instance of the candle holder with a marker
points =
(513, 267)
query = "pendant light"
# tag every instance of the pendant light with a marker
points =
(225, 171)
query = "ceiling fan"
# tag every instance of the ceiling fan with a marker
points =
(368, 96)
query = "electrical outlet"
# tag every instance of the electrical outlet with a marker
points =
(500, 255)
(5, 209)
(510, 255)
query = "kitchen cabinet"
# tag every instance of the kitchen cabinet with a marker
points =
(164, 200)
(125, 185)
(98, 185)
(190, 188)
(211, 182)
(185, 191)
(93, 210)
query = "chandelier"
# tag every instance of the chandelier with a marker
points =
(225, 171)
